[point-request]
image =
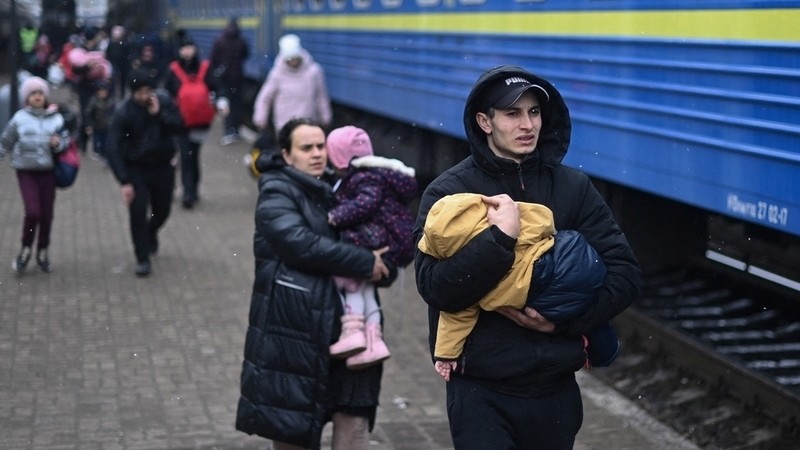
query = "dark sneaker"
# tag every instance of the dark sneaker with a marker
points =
(21, 261)
(188, 202)
(153, 244)
(43, 262)
(143, 269)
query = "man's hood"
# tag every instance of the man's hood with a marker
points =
(556, 125)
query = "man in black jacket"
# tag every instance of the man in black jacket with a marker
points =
(514, 385)
(140, 150)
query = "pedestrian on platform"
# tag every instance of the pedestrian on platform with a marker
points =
(515, 384)
(140, 149)
(295, 87)
(228, 54)
(120, 54)
(33, 136)
(98, 116)
(372, 211)
(290, 385)
(188, 83)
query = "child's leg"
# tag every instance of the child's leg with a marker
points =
(353, 300)
(352, 339)
(372, 312)
(377, 350)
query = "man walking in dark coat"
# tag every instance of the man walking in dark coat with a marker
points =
(514, 385)
(140, 150)
(227, 56)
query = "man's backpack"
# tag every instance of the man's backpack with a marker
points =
(193, 96)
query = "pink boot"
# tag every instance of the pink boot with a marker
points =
(376, 351)
(352, 339)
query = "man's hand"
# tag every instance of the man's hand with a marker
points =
(379, 269)
(127, 193)
(528, 318)
(504, 213)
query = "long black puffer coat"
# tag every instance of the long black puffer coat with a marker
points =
(498, 352)
(289, 385)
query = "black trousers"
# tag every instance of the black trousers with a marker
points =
(481, 418)
(190, 167)
(234, 119)
(151, 205)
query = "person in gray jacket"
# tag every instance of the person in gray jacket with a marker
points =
(33, 136)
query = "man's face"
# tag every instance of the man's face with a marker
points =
(142, 95)
(308, 153)
(513, 133)
(187, 52)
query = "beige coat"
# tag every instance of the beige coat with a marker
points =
(451, 223)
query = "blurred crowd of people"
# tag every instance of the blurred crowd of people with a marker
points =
(138, 99)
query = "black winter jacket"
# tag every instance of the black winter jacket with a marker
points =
(289, 385)
(136, 138)
(503, 355)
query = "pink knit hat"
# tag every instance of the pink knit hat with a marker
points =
(32, 84)
(346, 143)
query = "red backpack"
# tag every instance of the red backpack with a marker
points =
(193, 96)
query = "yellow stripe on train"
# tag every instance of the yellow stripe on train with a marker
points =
(743, 24)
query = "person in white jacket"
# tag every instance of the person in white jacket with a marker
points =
(295, 87)
(34, 136)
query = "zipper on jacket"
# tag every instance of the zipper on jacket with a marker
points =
(521, 181)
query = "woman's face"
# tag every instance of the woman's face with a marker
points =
(308, 153)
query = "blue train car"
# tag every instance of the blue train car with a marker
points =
(698, 102)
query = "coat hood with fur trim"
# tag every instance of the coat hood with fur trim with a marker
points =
(556, 125)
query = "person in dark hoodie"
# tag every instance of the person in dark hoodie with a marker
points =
(228, 54)
(188, 82)
(140, 149)
(514, 385)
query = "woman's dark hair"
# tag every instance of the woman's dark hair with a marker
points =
(285, 135)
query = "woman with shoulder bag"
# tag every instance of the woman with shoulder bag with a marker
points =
(34, 136)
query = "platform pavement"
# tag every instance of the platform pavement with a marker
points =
(92, 357)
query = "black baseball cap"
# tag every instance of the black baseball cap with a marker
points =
(503, 93)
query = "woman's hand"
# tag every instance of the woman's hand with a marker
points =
(528, 318)
(379, 269)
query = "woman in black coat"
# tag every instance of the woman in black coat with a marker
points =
(289, 386)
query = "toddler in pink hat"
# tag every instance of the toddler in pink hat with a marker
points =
(372, 211)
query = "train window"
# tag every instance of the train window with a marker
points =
(338, 4)
(474, 2)
(427, 3)
(530, 1)
(362, 4)
(316, 5)
(389, 4)
(296, 5)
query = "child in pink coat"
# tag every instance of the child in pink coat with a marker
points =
(372, 212)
